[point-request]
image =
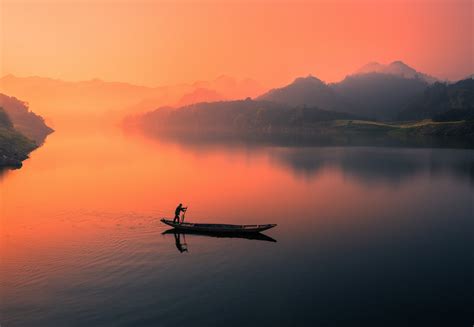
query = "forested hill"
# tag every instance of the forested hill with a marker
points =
(443, 102)
(14, 147)
(25, 121)
(375, 91)
(240, 115)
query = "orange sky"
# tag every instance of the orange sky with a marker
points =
(167, 42)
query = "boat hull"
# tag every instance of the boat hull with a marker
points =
(217, 228)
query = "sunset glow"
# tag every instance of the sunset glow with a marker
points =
(169, 42)
(235, 163)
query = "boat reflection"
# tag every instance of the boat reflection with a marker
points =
(182, 246)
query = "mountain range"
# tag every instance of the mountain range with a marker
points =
(374, 97)
(375, 91)
(397, 68)
(64, 100)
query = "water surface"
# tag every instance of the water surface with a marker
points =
(366, 235)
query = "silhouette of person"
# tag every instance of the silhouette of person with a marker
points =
(181, 247)
(178, 211)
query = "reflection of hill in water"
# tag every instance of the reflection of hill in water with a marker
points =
(370, 159)
(3, 171)
(373, 164)
(224, 139)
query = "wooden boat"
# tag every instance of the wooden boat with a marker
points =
(217, 228)
(247, 236)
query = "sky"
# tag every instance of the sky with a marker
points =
(170, 42)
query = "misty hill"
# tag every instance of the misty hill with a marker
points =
(61, 100)
(23, 120)
(290, 110)
(397, 68)
(443, 102)
(64, 99)
(14, 147)
(5, 121)
(231, 88)
(239, 115)
(378, 95)
(265, 121)
(376, 91)
(305, 91)
(200, 95)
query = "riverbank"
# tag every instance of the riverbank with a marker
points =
(14, 148)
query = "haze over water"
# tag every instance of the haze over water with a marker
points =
(372, 235)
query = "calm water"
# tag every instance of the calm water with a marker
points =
(366, 235)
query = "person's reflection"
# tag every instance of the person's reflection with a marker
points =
(182, 247)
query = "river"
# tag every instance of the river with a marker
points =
(365, 236)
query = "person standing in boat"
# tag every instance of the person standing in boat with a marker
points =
(178, 211)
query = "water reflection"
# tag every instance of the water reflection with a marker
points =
(4, 171)
(182, 246)
(213, 140)
(376, 164)
(367, 159)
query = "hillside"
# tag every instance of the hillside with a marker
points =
(378, 95)
(375, 91)
(453, 129)
(443, 102)
(25, 121)
(240, 115)
(14, 147)
(266, 121)
(305, 91)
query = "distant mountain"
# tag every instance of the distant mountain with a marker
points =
(376, 91)
(397, 68)
(378, 96)
(305, 91)
(443, 102)
(309, 107)
(200, 95)
(62, 100)
(382, 91)
(231, 88)
(25, 121)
